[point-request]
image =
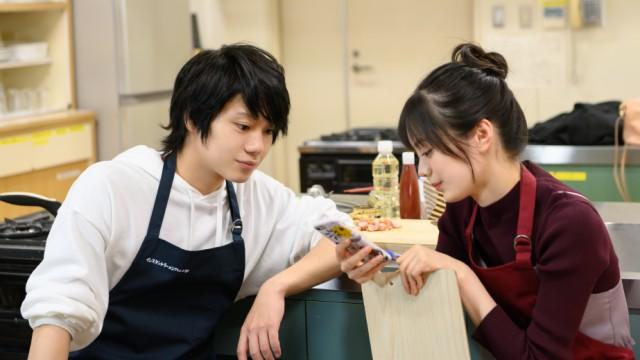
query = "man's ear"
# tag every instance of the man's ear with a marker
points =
(188, 123)
(483, 135)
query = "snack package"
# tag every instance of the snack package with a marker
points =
(337, 232)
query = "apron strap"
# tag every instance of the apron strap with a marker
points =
(236, 222)
(162, 197)
(522, 240)
(526, 208)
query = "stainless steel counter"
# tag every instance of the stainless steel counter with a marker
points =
(344, 147)
(539, 154)
(576, 155)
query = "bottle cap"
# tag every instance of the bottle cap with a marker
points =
(385, 146)
(408, 157)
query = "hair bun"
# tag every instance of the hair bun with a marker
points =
(474, 56)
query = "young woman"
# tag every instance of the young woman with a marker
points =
(535, 266)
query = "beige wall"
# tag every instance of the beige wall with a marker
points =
(313, 55)
(554, 68)
(400, 41)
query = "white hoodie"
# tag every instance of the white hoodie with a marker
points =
(103, 221)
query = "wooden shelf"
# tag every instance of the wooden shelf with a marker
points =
(19, 64)
(32, 6)
(49, 119)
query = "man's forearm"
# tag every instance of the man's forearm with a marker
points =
(319, 265)
(49, 342)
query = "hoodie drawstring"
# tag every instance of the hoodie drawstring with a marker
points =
(219, 230)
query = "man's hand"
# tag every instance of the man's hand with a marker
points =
(259, 333)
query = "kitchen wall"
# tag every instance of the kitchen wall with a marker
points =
(313, 56)
(554, 67)
(550, 68)
(397, 42)
(311, 39)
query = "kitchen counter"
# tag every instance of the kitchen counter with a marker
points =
(623, 224)
(328, 321)
(544, 154)
(539, 154)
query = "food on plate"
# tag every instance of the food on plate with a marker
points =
(376, 224)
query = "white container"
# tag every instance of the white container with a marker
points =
(30, 51)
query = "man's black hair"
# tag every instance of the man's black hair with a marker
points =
(213, 77)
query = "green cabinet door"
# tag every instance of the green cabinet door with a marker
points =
(634, 317)
(292, 335)
(337, 331)
(596, 181)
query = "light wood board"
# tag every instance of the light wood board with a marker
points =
(428, 326)
(410, 232)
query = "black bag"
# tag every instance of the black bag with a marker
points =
(587, 124)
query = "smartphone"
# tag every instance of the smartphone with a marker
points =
(337, 232)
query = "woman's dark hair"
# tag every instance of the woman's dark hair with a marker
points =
(454, 97)
(213, 77)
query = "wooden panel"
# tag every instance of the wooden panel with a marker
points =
(52, 182)
(35, 6)
(43, 148)
(428, 326)
(411, 232)
(48, 120)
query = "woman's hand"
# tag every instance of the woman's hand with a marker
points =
(417, 263)
(353, 264)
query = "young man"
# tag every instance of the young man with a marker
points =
(149, 249)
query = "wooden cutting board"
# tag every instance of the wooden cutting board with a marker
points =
(410, 232)
(428, 326)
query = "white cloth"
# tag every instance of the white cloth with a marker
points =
(606, 318)
(103, 221)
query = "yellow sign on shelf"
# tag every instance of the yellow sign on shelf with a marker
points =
(569, 175)
(39, 149)
(41, 137)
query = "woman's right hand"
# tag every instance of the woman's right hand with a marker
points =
(353, 264)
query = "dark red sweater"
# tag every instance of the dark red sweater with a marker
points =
(571, 249)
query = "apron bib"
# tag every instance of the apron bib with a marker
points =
(169, 301)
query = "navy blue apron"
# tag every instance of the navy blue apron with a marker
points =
(168, 302)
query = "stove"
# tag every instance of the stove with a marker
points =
(363, 134)
(22, 243)
(342, 161)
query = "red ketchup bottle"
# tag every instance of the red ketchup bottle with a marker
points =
(409, 188)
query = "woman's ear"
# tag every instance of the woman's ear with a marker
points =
(483, 135)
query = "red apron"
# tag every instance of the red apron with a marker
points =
(514, 285)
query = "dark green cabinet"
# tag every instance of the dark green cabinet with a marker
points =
(292, 329)
(326, 324)
(337, 331)
(596, 181)
(317, 325)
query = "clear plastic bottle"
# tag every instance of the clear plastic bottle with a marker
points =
(385, 181)
(409, 188)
